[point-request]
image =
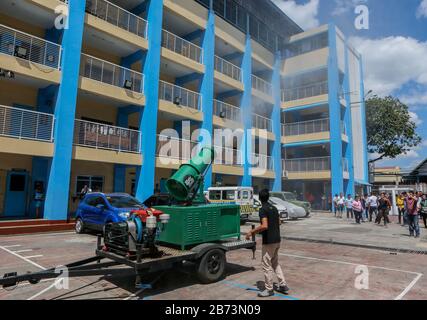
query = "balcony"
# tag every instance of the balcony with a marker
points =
(262, 162)
(26, 132)
(226, 111)
(117, 16)
(112, 74)
(263, 123)
(25, 124)
(182, 47)
(106, 137)
(307, 164)
(225, 67)
(180, 96)
(304, 92)
(262, 85)
(228, 156)
(305, 127)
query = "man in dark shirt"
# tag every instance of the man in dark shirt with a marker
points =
(270, 230)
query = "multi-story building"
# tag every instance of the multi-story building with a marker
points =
(86, 99)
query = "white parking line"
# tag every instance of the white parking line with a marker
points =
(12, 246)
(25, 250)
(35, 256)
(26, 259)
(399, 297)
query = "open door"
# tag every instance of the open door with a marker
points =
(16, 194)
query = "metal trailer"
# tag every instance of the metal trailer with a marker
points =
(210, 260)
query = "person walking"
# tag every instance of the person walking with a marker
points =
(357, 209)
(270, 230)
(366, 207)
(38, 200)
(341, 204)
(413, 218)
(373, 206)
(384, 207)
(400, 203)
(423, 209)
(335, 202)
(349, 207)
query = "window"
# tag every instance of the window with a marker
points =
(229, 195)
(124, 202)
(17, 182)
(94, 201)
(307, 45)
(95, 183)
(215, 195)
(245, 195)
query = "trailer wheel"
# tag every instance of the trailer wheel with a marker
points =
(79, 226)
(211, 267)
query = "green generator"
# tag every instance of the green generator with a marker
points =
(192, 221)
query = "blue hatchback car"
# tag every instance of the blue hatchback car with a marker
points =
(98, 209)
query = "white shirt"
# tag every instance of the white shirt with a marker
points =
(373, 201)
(349, 203)
(341, 200)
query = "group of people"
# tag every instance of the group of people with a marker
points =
(411, 206)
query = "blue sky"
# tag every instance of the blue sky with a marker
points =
(394, 50)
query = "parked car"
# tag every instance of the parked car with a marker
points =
(292, 198)
(294, 211)
(283, 210)
(97, 209)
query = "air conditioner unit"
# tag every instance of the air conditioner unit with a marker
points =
(285, 173)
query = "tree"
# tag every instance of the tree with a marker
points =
(390, 129)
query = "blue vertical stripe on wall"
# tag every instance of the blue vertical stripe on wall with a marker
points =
(144, 186)
(335, 114)
(57, 196)
(246, 111)
(277, 124)
(207, 83)
(363, 113)
(349, 124)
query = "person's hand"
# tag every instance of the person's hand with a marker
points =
(249, 235)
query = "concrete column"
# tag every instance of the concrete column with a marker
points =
(277, 125)
(57, 196)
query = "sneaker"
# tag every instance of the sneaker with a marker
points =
(266, 293)
(283, 289)
(417, 236)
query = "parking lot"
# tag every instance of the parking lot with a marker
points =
(313, 270)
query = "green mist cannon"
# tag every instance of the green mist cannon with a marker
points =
(186, 185)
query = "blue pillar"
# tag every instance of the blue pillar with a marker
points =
(335, 115)
(207, 83)
(277, 124)
(57, 196)
(148, 119)
(348, 123)
(363, 124)
(246, 110)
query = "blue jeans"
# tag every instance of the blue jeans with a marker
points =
(414, 225)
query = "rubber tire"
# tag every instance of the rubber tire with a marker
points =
(203, 274)
(82, 229)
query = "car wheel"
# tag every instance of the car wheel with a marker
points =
(79, 226)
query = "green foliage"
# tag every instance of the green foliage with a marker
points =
(390, 129)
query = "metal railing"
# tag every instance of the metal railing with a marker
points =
(117, 16)
(303, 92)
(305, 127)
(228, 156)
(261, 122)
(227, 111)
(181, 46)
(180, 96)
(262, 85)
(229, 69)
(175, 148)
(345, 165)
(307, 164)
(28, 47)
(103, 136)
(261, 161)
(26, 124)
(110, 73)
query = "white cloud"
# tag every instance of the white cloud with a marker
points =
(344, 6)
(422, 10)
(391, 62)
(415, 118)
(305, 15)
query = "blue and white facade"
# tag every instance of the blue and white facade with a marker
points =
(95, 103)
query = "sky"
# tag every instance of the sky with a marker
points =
(394, 51)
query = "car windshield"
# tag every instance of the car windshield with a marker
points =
(290, 196)
(124, 202)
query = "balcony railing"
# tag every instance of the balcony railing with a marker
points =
(261, 122)
(175, 148)
(303, 92)
(25, 46)
(25, 124)
(181, 46)
(305, 127)
(103, 136)
(117, 16)
(227, 111)
(225, 67)
(262, 85)
(307, 164)
(180, 96)
(345, 165)
(228, 156)
(109, 73)
(261, 161)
